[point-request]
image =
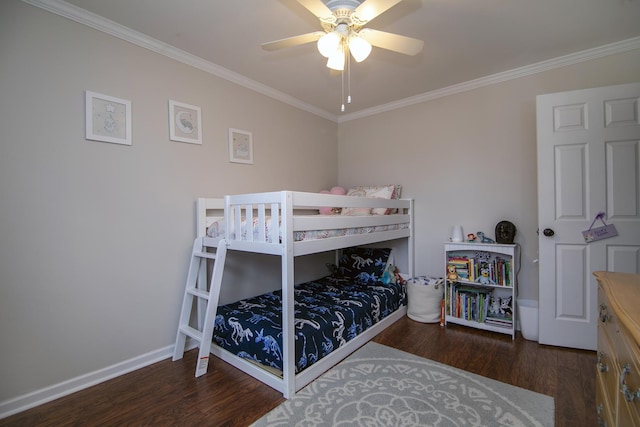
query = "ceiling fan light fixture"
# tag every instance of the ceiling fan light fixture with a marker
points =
(344, 35)
(359, 48)
(336, 60)
(329, 43)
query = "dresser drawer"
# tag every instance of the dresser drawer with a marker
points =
(604, 406)
(627, 416)
(607, 321)
(607, 367)
(618, 367)
(629, 378)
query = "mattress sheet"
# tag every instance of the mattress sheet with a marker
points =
(217, 229)
(328, 313)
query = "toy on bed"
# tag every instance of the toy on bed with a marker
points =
(338, 191)
(392, 275)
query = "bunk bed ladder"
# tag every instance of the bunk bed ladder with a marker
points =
(203, 333)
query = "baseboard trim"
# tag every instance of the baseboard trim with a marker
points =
(65, 388)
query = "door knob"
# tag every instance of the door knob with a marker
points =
(548, 232)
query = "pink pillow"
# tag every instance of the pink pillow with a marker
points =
(338, 191)
(325, 210)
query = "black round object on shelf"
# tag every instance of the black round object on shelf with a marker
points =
(505, 232)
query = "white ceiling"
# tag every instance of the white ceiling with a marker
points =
(464, 40)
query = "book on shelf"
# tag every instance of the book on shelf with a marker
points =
(506, 322)
(473, 270)
(498, 321)
(463, 273)
(468, 302)
(465, 267)
(496, 271)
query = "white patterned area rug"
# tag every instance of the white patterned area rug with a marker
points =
(381, 386)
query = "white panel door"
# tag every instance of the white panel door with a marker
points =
(588, 162)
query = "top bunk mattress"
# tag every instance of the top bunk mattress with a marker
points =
(217, 229)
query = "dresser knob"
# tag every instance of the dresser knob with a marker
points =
(601, 422)
(602, 367)
(628, 395)
(603, 313)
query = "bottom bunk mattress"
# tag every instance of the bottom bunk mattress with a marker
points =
(328, 313)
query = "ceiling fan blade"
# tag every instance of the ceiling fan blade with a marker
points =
(319, 9)
(395, 42)
(372, 8)
(293, 41)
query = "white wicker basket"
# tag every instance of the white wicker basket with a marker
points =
(424, 295)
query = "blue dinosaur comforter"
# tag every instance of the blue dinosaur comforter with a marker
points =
(328, 313)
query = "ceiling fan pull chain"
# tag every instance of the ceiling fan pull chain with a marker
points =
(348, 79)
(342, 97)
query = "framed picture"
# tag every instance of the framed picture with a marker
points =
(107, 119)
(240, 146)
(185, 123)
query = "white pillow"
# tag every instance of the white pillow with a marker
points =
(384, 192)
(374, 191)
(355, 192)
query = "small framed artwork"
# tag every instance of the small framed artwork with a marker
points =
(107, 119)
(185, 123)
(240, 146)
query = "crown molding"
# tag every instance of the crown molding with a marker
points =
(551, 64)
(82, 16)
(74, 13)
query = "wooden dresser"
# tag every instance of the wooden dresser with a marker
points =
(618, 368)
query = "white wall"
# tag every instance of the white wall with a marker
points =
(470, 158)
(94, 237)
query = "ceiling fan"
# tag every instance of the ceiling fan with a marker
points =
(343, 22)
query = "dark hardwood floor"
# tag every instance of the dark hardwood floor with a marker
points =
(166, 393)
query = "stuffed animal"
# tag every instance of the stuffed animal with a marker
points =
(484, 276)
(325, 210)
(483, 238)
(388, 277)
(494, 305)
(391, 275)
(505, 306)
(338, 191)
(452, 274)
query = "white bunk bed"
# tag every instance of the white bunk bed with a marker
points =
(276, 223)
